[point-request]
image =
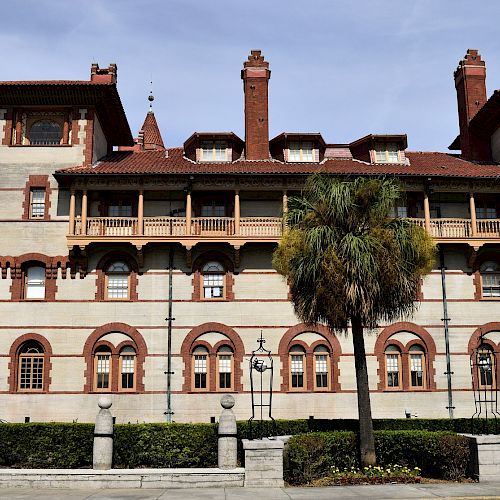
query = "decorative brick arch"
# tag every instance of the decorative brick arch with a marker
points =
(198, 264)
(191, 342)
(493, 326)
(12, 367)
(426, 341)
(102, 266)
(93, 341)
(330, 341)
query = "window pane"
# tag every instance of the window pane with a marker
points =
(297, 370)
(416, 370)
(37, 203)
(35, 282)
(392, 361)
(45, 133)
(102, 371)
(31, 372)
(118, 286)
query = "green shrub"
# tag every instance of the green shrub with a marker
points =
(440, 454)
(46, 445)
(165, 445)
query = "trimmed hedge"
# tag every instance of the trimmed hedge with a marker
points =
(439, 454)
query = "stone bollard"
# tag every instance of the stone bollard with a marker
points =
(263, 463)
(227, 453)
(103, 436)
(484, 461)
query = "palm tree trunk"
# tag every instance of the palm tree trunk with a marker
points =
(366, 439)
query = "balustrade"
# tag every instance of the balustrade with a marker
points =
(212, 226)
(261, 226)
(488, 228)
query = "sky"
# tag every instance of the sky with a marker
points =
(344, 68)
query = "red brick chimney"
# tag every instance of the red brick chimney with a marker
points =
(255, 75)
(470, 82)
(103, 75)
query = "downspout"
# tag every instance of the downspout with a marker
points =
(445, 319)
(169, 320)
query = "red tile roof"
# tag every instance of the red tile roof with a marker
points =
(172, 161)
(151, 133)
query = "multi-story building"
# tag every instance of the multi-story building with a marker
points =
(101, 234)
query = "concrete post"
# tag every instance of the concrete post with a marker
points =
(103, 436)
(485, 456)
(227, 453)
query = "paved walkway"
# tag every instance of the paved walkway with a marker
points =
(379, 492)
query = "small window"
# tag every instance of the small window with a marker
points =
(214, 151)
(213, 275)
(417, 367)
(200, 359)
(37, 203)
(485, 366)
(31, 366)
(213, 208)
(297, 367)
(300, 151)
(127, 369)
(490, 279)
(393, 367)
(486, 212)
(117, 281)
(45, 133)
(102, 369)
(387, 153)
(225, 368)
(34, 287)
(321, 363)
(120, 210)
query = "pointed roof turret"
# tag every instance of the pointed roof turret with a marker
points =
(149, 135)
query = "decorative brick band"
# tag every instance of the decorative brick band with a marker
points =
(93, 342)
(426, 342)
(13, 364)
(330, 342)
(233, 341)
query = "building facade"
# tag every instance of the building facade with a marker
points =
(105, 236)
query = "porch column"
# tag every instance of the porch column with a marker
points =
(473, 221)
(237, 212)
(427, 213)
(285, 202)
(72, 212)
(140, 213)
(188, 213)
(65, 137)
(19, 126)
(84, 212)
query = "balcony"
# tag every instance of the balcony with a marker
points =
(458, 230)
(175, 229)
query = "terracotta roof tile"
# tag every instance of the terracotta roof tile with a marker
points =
(151, 133)
(172, 161)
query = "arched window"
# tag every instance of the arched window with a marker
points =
(200, 368)
(393, 367)
(127, 369)
(117, 281)
(225, 368)
(102, 369)
(34, 284)
(485, 366)
(213, 276)
(321, 371)
(417, 367)
(490, 279)
(297, 367)
(45, 132)
(31, 367)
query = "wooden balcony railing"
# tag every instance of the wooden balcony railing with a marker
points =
(164, 228)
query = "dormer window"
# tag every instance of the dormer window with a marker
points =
(45, 133)
(300, 151)
(214, 151)
(387, 152)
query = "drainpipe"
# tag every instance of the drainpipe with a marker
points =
(168, 413)
(445, 319)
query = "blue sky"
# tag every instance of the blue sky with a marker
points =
(343, 68)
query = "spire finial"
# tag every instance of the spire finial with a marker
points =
(151, 97)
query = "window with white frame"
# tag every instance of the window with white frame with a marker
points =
(214, 151)
(490, 279)
(37, 203)
(31, 366)
(102, 369)
(417, 367)
(321, 363)
(200, 365)
(213, 275)
(485, 366)
(127, 368)
(300, 151)
(297, 367)
(393, 367)
(386, 152)
(34, 286)
(117, 281)
(225, 364)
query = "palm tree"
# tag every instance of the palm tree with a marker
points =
(346, 260)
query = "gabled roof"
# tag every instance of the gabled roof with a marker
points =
(173, 161)
(73, 93)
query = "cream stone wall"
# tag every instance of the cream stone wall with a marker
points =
(18, 238)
